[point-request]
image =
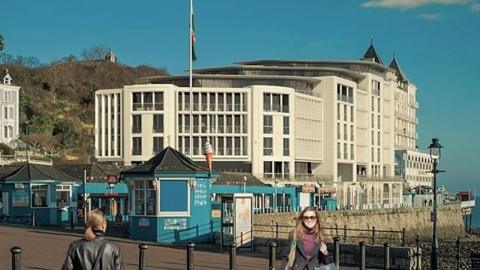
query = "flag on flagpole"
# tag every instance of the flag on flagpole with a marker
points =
(193, 37)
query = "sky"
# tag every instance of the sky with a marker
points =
(436, 42)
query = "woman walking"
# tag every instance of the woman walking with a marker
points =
(94, 251)
(307, 248)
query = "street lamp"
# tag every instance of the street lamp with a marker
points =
(435, 153)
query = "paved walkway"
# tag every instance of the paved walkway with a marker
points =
(45, 249)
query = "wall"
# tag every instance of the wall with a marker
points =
(414, 220)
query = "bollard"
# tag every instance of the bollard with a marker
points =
(141, 256)
(233, 256)
(386, 253)
(373, 235)
(458, 253)
(271, 261)
(190, 257)
(16, 251)
(276, 230)
(417, 242)
(33, 218)
(72, 226)
(336, 254)
(362, 255)
(221, 239)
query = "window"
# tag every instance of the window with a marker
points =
(203, 124)
(236, 124)
(286, 147)
(338, 111)
(63, 195)
(145, 197)
(237, 106)
(136, 146)
(286, 125)
(267, 124)
(276, 103)
(229, 124)
(378, 138)
(345, 133)
(345, 114)
(285, 103)
(195, 126)
(212, 102)
(375, 88)
(157, 123)
(352, 156)
(137, 101)
(174, 196)
(236, 142)
(221, 102)
(196, 101)
(351, 133)
(267, 169)
(339, 151)
(204, 105)
(229, 102)
(339, 135)
(351, 114)
(221, 124)
(229, 146)
(20, 197)
(221, 146)
(187, 102)
(157, 145)
(345, 151)
(136, 124)
(159, 101)
(378, 121)
(147, 101)
(267, 146)
(39, 195)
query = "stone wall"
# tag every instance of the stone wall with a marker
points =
(414, 220)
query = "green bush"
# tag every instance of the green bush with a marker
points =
(6, 150)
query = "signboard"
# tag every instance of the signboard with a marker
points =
(216, 214)
(328, 190)
(175, 224)
(243, 219)
(143, 222)
(308, 188)
(200, 196)
(19, 186)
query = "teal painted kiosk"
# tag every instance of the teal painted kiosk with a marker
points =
(170, 200)
(37, 189)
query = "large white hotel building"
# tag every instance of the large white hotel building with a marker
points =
(335, 124)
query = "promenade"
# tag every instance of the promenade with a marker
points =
(44, 249)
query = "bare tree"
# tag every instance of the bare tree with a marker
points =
(96, 53)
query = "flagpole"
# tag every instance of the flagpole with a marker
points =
(191, 45)
(190, 35)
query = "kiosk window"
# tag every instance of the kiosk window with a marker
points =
(39, 195)
(145, 198)
(174, 196)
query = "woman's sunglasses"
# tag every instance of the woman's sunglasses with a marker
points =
(309, 217)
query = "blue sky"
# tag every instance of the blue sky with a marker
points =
(435, 41)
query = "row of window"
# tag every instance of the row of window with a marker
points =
(376, 88)
(137, 123)
(268, 124)
(275, 103)
(344, 93)
(213, 102)
(373, 154)
(8, 112)
(222, 124)
(345, 154)
(346, 134)
(347, 112)
(378, 118)
(147, 101)
(378, 101)
(137, 146)
(7, 132)
(276, 169)
(173, 197)
(268, 146)
(378, 137)
(109, 123)
(38, 196)
(222, 145)
(8, 96)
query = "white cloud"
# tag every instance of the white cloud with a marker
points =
(430, 16)
(410, 4)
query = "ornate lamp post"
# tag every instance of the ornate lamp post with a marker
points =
(435, 153)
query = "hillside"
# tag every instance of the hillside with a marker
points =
(57, 103)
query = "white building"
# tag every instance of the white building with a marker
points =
(331, 123)
(8, 109)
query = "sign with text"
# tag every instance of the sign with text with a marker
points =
(243, 219)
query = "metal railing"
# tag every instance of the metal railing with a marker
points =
(372, 235)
